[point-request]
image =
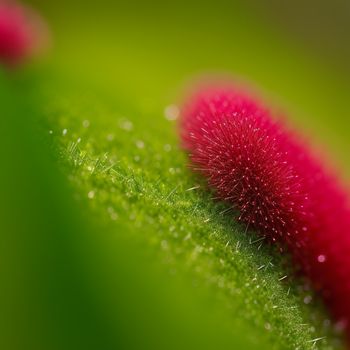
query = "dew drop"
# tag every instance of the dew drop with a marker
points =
(171, 112)
(126, 125)
(321, 258)
(267, 326)
(307, 299)
(110, 137)
(140, 144)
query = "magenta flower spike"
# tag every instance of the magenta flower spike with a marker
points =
(279, 187)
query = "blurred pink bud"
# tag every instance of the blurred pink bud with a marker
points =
(23, 33)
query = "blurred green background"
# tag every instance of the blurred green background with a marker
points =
(108, 241)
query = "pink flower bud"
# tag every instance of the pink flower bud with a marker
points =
(275, 183)
(22, 33)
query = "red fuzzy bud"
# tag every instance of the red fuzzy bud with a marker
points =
(279, 187)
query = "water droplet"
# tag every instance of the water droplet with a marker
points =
(307, 299)
(171, 112)
(86, 123)
(267, 326)
(140, 144)
(321, 258)
(126, 125)
(91, 194)
(64, 132)
(110, 137)
(113, 215)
